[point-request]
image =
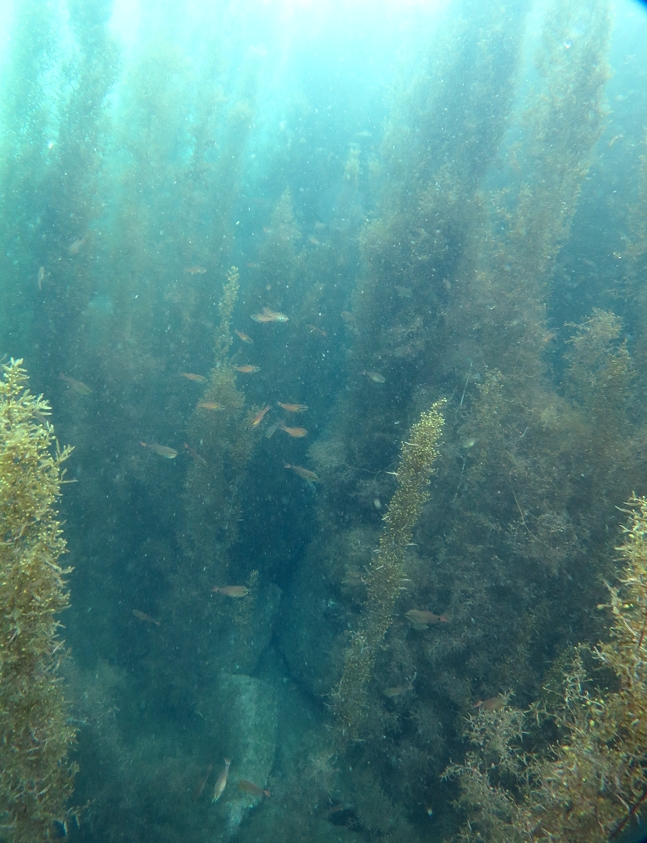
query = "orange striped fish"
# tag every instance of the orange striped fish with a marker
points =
(258, 418)
(295, 432)
(293, 408)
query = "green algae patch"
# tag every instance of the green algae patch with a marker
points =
(36, 775)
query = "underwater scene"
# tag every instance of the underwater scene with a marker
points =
(323, 421)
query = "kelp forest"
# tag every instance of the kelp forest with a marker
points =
(324, 421)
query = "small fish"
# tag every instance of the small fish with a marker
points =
(294, 432)
(376, 377)
(267, 315)
(271, 430)
(403, 351)
(339, 813)
(308, 475)
(202, 784)
(76, 386)
(142, 616)
(193, 377)
(221, 782)
(398, 690)
(160, 450)
(254, 789)
(493, 704)
(73, 248)
(276, 315)
(196, 456)
(293, 408)
(231, 590)
(353, 579)
(211, 405)
(314, 330)
(247, 370)
(258, 418)
(41, 418)
(40, 277)
(421, 619)
(195, 270)
(244, 337)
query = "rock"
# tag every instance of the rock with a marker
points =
(243, 713)
(276, 825)
(241, 644)
(322, 604)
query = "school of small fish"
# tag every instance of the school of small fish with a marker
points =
(419, 619)
(244, 785)
(265, 316)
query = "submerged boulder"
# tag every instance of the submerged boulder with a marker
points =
(322, 604)
(247, 635)
(243, 713)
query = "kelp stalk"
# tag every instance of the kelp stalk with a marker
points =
(387, 571)
(35, 732)
(593, 783)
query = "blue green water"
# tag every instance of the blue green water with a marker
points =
(421, 202)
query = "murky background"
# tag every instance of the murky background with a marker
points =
(212, 209)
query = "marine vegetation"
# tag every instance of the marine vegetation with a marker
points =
(592, 783)
(219, 446)
(451, 205)
(386, 574)
(212, 495)
(36, 774)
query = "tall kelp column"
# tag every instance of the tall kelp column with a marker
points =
(590, 785)
(27, 126)
(444, 134)
(158, 335)
(116, 228)
(386, 576)
(61, 66)
(36, 732)
(54, 134)
(479, 198)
